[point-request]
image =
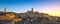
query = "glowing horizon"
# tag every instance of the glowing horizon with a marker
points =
(51, 7)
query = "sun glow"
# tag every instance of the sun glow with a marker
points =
(55, 13)
(52, 11)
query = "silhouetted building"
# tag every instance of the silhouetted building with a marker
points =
(4, 9)
(32, 10)
(2, 13)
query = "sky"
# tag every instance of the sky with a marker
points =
(51, 7)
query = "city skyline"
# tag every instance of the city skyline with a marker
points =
(44, 6)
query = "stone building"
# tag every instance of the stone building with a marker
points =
(3, 13)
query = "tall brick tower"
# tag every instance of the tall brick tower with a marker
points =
(32, 10)
(4, 9)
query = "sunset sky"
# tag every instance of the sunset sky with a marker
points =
(51, 7)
